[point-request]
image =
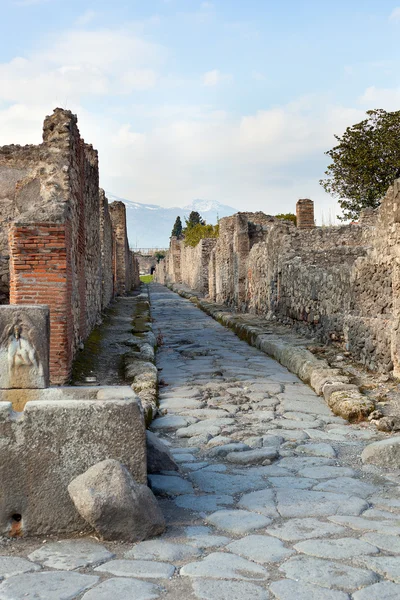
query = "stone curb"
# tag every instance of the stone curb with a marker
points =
(343, 398)
(140, 369)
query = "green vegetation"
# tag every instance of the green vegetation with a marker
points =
(365, 162)
(194, 219)
(146, 278)
(177, 228)
(159, 255)
(287, 217)
(199, 232)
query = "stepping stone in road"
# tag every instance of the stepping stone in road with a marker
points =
(170, 485)
(260, 548)
(50, 585)
(138, 568)
(287, 589)
(303, 529)
(208, 589)
(123, 588)
(162, 550)
(13, 565)
(327, 574)
(71, 554)
(238, 522)
(336, 549)
(221, 565)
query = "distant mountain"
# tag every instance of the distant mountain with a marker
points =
(150, 225)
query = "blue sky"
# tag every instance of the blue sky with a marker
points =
(229, 100)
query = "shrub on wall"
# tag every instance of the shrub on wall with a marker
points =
(198, 232)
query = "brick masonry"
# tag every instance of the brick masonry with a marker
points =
(60, 244)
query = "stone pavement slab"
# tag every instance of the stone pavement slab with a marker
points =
(162, 550)
(337, 549)
(51, 585)
(207, 589)
(384, 590)
(219, 565)
(123, 588)
(305, 503)
(204, 503)
(138, 568)
(71, 554)
(261, 549)
(303, 529)
(238, 522)
(170, 485)
(13, 565)
(287, 589)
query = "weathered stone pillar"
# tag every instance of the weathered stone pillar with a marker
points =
(305, 213)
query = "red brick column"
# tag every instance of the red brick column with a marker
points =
(40, 273)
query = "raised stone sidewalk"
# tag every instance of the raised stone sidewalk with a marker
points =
(271, 501)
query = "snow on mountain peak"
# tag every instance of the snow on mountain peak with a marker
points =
(203, 205)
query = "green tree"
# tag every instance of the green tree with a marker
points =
(198, 232)
(194, 219)
(177, 228)
(287, 217)
(364, 163)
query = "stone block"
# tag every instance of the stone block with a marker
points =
(24, 346)
(385, 453)
(51, 443)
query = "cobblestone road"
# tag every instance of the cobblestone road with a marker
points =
(271, 500)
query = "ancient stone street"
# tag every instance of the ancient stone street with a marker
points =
(271, 499)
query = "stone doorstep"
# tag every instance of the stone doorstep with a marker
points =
(344, 399)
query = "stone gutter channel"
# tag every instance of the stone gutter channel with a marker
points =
(344, 398)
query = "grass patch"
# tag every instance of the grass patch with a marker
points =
(146, 278)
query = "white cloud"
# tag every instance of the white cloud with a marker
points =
(395, 15)
(386, 98)
(215, 77)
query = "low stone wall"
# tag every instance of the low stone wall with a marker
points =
(338, 284)
(63, 432)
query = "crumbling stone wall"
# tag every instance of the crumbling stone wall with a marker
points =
(335, 283)
(58, 237)
(195, 263)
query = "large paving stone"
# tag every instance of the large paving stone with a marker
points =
(253, 457)
(384, 590)
(71, 554)
(294, 435)
(212, 426)
(336, 549)
(220, 565)
(208, 589)
(180, 403)
(51, 585)
(262, 501)
(303, 529)
(169, 423)
(305, 503)
(289, 424)
(296, 463)
(170, 485)
(260, 548)
(360, 524)
(138, 568)
(348, 485)
(206, 503)
(300, 483)
(238, 522)
(321, 449)
(326, 573)
(123, 588)
(389, 543)
(385, 453)
(13, 565)
(287, 589)
(327, 472)
(228, 484)
(162, 550)
(227, 449)
(388, 566)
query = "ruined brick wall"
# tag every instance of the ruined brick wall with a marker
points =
(194, 264)
(57, 242)
(124, 277)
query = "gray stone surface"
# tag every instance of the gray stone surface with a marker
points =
(24, 346)
(385, 453)
(162, 550)
(123, 588)
(14, 565)
(336, 549)
(260, 548)
(327, 472)
(389, 543)
(159, 457)
(228, 484)
(360, 524)
(116, 431)
(349, 485)
(384, 590)
(305, 503)
(227, 449)
(117, 507)
(51, 585)
(287, 589)
(262, 501)
(71, 554)
(208, 589)
(387, 566)
(327, 574)
(170, 485)
(168, 423)
(303, 529)
(320, 449)
(219, 565)
(238, 522)
(138, 568)
(253, 457)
